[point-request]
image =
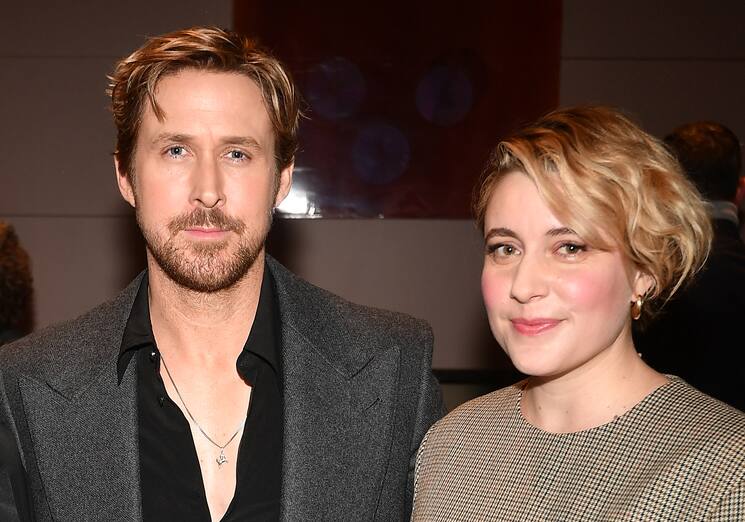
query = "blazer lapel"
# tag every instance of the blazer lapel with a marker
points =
(337, 434)
(86, 447)
(338, 405)
(83, 423)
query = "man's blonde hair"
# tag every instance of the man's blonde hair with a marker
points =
(616, 186)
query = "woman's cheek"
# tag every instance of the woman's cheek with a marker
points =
(585, 289)
(486, 288)
(494, 288)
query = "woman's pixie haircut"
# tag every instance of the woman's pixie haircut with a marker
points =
(135, 79)
(613, 184)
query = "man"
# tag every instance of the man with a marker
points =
(699, 335)
(217, 385)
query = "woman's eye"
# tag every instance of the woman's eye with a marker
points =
(571, 249)
(502, 250)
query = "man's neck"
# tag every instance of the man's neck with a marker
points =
(203, 327)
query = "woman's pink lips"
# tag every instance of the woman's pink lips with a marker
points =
(533, 326)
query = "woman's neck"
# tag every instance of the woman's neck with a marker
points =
(602, 389)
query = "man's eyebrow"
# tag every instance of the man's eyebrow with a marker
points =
(245, 141)
(170, 136)
(167, 137)
(500, 231)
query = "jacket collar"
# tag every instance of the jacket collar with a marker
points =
(69, 372)
(330, 331)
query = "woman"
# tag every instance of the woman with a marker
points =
(589, 225)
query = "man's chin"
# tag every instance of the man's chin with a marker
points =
(203, 283)
(208, 279)
(207, 270)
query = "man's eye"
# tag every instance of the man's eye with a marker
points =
(237, 155)
(176, 150)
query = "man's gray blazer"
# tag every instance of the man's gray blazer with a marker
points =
(358, 397)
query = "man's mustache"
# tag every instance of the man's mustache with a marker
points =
(212, 218)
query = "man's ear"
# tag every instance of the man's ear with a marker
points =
(125, 184)
(285, 183)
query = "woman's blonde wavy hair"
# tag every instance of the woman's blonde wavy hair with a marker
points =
(606, 178)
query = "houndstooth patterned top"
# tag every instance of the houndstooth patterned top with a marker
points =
(677, 455)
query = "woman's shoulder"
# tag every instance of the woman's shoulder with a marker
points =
(708, 437)
(492, 409)
(704, 428)
(474, 425)
(699, 413)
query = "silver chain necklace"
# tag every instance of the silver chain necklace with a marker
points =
(221, 458)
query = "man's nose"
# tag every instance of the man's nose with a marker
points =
(208, 184)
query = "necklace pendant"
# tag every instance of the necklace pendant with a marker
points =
(221, 458)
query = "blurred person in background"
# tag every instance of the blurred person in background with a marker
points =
(700, 334)
(15, 286)
(740, 200)
(15, 321)
(589, 225)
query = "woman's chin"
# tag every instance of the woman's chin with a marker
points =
(533, 367)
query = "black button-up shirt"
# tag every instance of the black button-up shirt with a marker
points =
(170, 477)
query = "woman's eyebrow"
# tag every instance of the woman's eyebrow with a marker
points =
(562, 231)
(500, 231)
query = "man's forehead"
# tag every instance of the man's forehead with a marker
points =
(191, 102)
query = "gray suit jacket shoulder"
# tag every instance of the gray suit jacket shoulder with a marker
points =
(358, 397)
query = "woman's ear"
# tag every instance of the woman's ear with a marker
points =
(644, 285)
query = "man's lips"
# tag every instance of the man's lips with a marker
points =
(206, 233)
(533, 326)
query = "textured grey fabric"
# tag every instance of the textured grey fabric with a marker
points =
(359, 396)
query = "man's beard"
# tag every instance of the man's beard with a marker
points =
(205, 267)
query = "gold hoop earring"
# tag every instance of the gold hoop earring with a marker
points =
(636, 308)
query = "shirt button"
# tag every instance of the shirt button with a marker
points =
(161, 399)
(153, 356)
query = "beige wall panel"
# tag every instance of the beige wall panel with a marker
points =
(103, 28)
(57, 137)
(78, 262)
(661, 94)
(427, 268)
(644, 29)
